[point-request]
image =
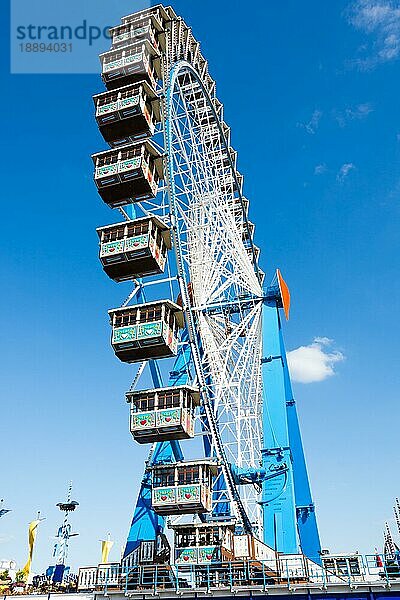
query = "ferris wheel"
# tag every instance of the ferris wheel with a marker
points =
(186, 244)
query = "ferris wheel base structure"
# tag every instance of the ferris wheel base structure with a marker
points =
(289, 521)
(288, 511)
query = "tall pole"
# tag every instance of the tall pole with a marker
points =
(63, 535)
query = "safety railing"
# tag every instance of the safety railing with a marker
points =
(290, 572)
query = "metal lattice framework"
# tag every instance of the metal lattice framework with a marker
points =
(224, 307)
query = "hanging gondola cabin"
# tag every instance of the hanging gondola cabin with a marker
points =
(227, 157)
(130, 64)
(213, 139)
(240, 208)
(255, 255)
(203, 543)
(134, 248)
(163, 414)
(127, 114)
(146, 331)
(129, 174)
(252, 250)
(232, 183)
(159, 17)
(143, 28)
(248, 234)
(183, 488)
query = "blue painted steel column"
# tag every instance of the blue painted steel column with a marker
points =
(278, 501)
(306, 520)
(146, 524)
(182, 372)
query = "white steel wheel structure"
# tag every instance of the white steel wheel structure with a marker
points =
(220, 281)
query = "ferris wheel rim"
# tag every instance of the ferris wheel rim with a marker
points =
(175, 71)
(173, 75)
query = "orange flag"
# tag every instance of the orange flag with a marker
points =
(285, 294)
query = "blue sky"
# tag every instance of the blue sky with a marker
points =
(311, 94)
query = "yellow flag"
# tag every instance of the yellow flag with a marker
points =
(31, 541)
(106, 546)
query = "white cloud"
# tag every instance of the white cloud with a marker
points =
(344, 171)
(314, 362)
(312, 125)
(320, 169)
(360, 111)
(380, 19)
(353, 113)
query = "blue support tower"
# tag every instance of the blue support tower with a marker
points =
(288, 511)
(278, 500)
(305, 511)
(146, 524)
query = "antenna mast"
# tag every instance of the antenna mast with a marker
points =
(64, 533)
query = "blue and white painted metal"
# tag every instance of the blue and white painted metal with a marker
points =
(289, 514)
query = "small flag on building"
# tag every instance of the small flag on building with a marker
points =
(106, 546)
(32, 532)
(378, 559)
